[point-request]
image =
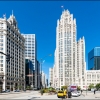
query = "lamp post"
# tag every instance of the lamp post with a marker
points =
(41, 66)
(86, 88)
(85, 80)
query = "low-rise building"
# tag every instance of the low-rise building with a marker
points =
(92, 76)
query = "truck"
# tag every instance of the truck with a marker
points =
(73, 87)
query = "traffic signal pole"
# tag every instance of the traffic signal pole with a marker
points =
(7, 56)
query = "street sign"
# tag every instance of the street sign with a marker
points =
(29, 75)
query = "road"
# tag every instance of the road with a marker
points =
(35, 95)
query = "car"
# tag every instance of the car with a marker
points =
(75, 93)
(3, 91)
(7, 90)
(62, 94)
(79, 93)
(16, 91)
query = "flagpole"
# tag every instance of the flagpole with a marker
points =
(62, 8)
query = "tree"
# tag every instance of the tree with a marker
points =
(78, 88)
(20, 87)
(64, 87)
(97, 86)
(28, 88)
(50, 84)
(91, 86)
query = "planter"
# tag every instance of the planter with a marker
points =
(41, 93)
(45, 94)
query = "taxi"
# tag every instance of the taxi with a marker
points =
(62, 94)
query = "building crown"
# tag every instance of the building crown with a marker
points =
(12, 20)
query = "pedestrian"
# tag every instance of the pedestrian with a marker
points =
(81, 91)
(94, 91)
(65, 93)
(69, 92)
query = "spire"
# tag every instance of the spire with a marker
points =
(4, 16)
(12, 12)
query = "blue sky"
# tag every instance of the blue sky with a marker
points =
(40, 18)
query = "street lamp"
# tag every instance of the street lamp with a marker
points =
(86, 87)
(83, 79)
(41, 66)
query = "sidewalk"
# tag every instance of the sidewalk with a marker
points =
(92, 95)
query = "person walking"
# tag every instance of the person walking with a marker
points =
(69, 92)
(81, 91)
(94, 91)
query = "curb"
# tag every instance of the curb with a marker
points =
(97, 97)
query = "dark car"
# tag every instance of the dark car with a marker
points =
(16, 91)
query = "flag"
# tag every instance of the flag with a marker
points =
(62, 6)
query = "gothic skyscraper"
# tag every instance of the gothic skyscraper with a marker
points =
(66, 52)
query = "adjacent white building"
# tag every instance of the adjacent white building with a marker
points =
(81, 65)
(31, 52)
(68, 66)
(12, 74)
(92, 76)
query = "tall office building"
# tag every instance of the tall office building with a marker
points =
(12, 74)
(28, 71)
(51, 75)
(31, 52)
(67, 52)
(43, 79)
(38, 76)
(94, 59)
(66, 48)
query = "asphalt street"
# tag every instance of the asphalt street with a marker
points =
(32, 95)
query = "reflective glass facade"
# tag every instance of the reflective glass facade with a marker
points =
(94, 59)
(28, 71)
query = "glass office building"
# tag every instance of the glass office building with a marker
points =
(31, 53)
(28, 71)
(94, 59)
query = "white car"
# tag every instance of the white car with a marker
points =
(76, 93)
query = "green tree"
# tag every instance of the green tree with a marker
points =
(78, 88)
(28, 88)
(97, 86)
(42, 91)
(91, 86)
(50, 84)
(20, 87)
(63, 87)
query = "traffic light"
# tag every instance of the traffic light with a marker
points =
(8, 57)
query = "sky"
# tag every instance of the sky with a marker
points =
(40, 18)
